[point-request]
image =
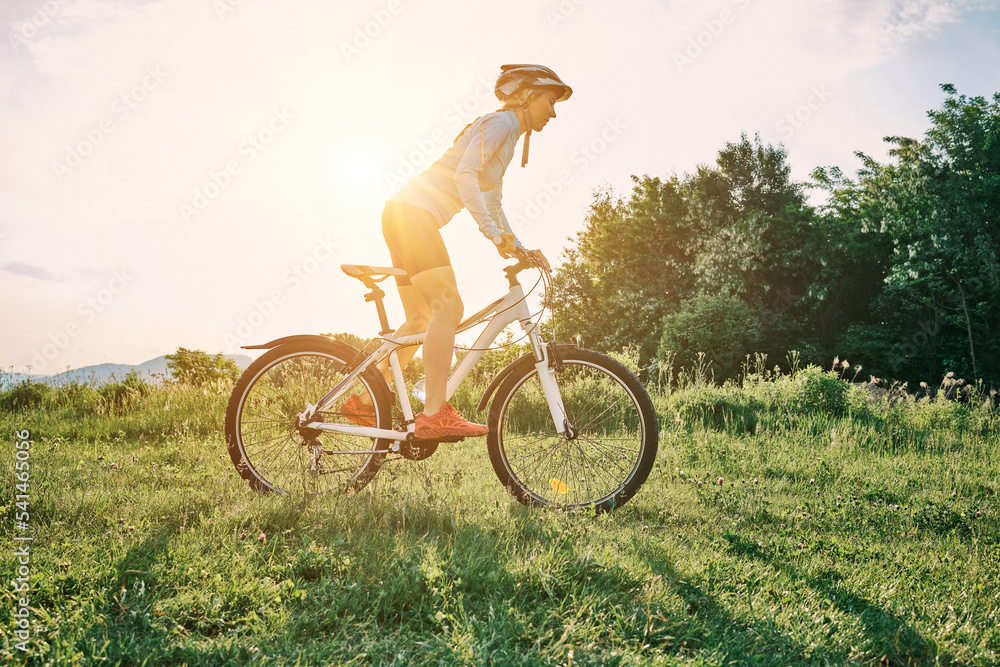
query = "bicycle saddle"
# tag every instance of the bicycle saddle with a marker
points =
(362, 271)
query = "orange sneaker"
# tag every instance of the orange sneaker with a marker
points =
(447, 422)
(362, 414)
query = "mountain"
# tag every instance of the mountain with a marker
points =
(153, 371)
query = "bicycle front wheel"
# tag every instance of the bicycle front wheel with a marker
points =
(610, 442)
(275, 455)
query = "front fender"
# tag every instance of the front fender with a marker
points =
(509, 368)
(312, 338)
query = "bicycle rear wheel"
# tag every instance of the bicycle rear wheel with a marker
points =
(609, 446)
(272, 453)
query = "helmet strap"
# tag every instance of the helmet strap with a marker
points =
(527, 136)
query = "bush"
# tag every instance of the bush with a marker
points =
(197, 367)
(808, 391)
(723, 327)
(28, 395)
(119, 397)
(80, 398)
(820, 392)
(719, 408)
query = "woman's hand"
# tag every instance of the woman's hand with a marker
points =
(506, 247)
(538, 259)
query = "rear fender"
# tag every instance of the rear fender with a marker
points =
(298, 338)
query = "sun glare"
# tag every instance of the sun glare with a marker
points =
(357, 170)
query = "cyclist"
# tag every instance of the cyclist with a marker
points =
(469, 175)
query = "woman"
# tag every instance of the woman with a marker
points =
(469, 175)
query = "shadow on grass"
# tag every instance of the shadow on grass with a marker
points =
(894, 640)
(711, 628)
(202, 600)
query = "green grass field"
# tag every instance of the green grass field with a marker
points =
(790, 521)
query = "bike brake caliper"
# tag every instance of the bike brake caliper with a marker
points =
(555, 362)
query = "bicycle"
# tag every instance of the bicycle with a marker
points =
(568, 427)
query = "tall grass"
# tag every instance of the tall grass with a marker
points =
(790, 519)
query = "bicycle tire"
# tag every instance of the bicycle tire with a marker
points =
(267, 448)
(607, 460)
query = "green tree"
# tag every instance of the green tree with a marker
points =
(724, 327)
(747, 214)
(935, 205)
(737, 228)
(197, 367)
(629, 264)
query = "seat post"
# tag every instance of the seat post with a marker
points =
(376, 294)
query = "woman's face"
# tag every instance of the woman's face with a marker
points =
(542, 108)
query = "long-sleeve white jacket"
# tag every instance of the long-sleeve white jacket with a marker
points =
(469, 175)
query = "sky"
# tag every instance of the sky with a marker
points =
(192, 173)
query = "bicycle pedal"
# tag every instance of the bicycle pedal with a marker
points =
(447, 438)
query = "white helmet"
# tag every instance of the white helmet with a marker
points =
(515, 85)
(516, 81)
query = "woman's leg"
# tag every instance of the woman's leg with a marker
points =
(439, 291)
(418, 314)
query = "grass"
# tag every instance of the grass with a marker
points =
(844, 530)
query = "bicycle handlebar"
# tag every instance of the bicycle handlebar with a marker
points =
(527, 261)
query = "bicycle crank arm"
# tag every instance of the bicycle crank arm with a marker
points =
(358, 451)
(366, 431)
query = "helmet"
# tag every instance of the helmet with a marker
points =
(516, 82)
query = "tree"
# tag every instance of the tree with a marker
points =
(746, 211)
(196, 367)
(936, 207)
(628, 265)
(724, 327)
(733, 229)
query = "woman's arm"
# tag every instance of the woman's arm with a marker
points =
(484, 141)
(492, 199)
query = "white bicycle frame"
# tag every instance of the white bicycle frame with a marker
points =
(512, 308)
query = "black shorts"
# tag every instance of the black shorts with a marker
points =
(414, 240)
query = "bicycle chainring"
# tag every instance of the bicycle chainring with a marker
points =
(417, 450)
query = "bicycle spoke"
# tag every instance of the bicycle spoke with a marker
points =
(263, 434)
(606, 454)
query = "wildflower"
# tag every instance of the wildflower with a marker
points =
(812, 480)
(261, 537)
(720, 480)
(699, 482)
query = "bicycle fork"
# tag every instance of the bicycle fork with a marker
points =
(546, 364)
